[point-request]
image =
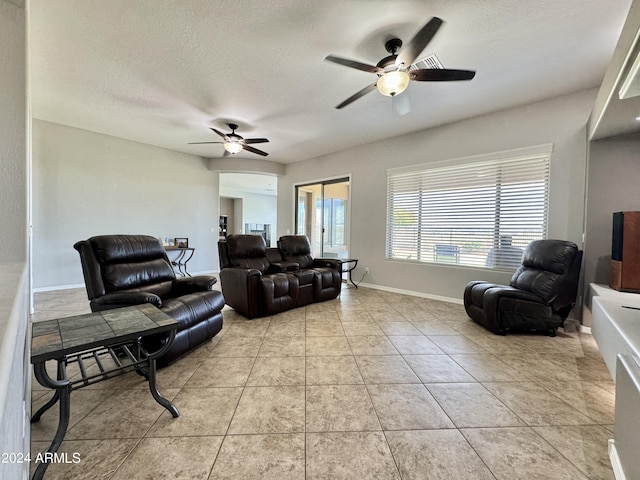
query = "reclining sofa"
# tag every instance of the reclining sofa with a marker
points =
(123, 270)
(258, 281)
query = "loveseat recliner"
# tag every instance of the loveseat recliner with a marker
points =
(541, 293)
(258, 281)
(123, 270)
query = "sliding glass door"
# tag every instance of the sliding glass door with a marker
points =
(322, 214)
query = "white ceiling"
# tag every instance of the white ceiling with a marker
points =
(162, 72)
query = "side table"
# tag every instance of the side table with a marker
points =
(107, 343)
(181, 260)
(350, 268)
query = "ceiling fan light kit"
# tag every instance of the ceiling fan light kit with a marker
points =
(232, 147)
(393, 70)
(392, 83)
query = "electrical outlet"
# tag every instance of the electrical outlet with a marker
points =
(366, 271)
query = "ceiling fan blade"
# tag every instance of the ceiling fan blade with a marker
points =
(440, 75)
(255, 140)
(400, 104)
(200, 143)
(353, 64)
(219, 133)
(254, 150)
(357, 95)
(411, 50)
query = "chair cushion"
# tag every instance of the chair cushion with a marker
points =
(296, 248)
(132, 261)
(543, 263)
(248, 251)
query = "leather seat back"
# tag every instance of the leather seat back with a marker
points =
(247, 251)
(125, 262)
(296, 248)
(548, 266)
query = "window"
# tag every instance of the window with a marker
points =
(481, 212)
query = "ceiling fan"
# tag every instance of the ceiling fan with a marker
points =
(234, 143)
(394, 71)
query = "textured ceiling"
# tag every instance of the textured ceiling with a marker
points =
(162, 72)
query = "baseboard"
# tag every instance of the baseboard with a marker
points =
(412, 293)
(615, 461)
(57, 287)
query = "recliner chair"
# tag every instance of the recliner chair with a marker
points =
(541, 293)
(323, 275)
(123, 270)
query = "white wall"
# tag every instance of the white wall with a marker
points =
(89, 184)
(560, 121)
(255, 208)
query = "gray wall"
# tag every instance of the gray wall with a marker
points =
(89, 184)
(14, 279)
(13, 144)
(560, 121)
(613, 186)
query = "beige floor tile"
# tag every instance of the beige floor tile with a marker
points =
(261, 387)
(173, 458)
(488, 368)
(341, 370)
(125, 414)
(584, 446)
(385, 369)
(327, 346)
(348, 456)
(203, 412)
(222, 372)
(265, 457)
(85, 459)
(520, 453)
(358, 329)
(414, 345)
(452, 344)
(436, 455)
(282, 346)
(437, 368)
(269, 410)
(277, 371)
(371, 345)
(407, 407)
(321, 328)
(237, 346)
(399, 328)
(434, 327)
(536, 405)
(587, 397)
(472, 405)
(339, 408)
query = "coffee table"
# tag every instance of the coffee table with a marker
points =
(103, 345)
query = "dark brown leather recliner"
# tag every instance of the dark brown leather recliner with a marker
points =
(541, 294)
(251, 284)
(322, 275)
(123, 270)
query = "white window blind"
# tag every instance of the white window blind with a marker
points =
(480, 214)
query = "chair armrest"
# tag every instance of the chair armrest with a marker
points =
(241, 288)
(327, 262)
(280, 267)
(124, 299)
(186, 285)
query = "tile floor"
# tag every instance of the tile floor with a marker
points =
(373, 385)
